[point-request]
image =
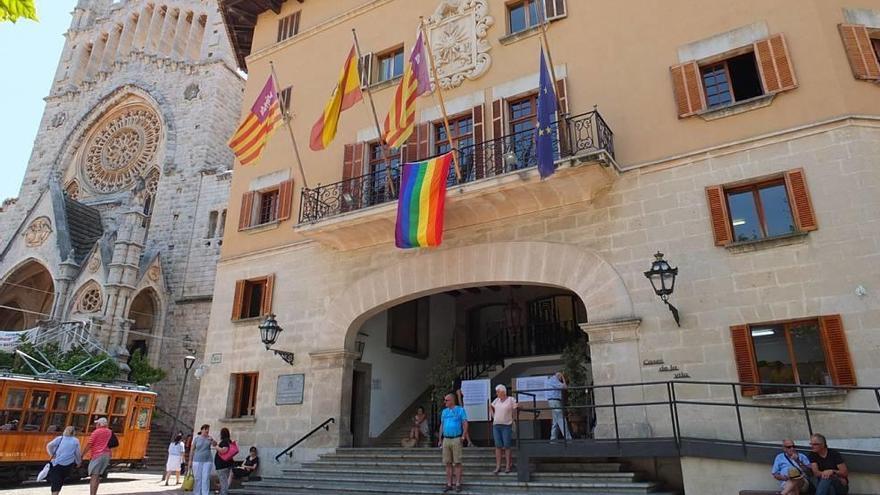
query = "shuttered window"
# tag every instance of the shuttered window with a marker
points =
(764, 209)
(253, 297)
(288, 26)
(861, 50)
(244, 400)
(268, 205)
(813, 351)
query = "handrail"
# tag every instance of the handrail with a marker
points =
(177, 421)
(289, 450)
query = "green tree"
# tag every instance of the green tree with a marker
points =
(576, 369)
(141, 371)
(106, 372)
(442, 376)
(13, 10)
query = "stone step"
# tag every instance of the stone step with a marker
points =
(482, 472)
(435, 461)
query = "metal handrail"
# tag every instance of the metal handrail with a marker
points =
(177, 421)
(289, 450)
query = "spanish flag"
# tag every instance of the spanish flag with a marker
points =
(400, 122)
(251, 136)
(345, 95)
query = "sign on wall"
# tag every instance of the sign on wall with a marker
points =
(290, 389)
(476, 399)
(527, 383)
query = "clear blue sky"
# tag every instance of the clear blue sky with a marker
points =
(30, 51)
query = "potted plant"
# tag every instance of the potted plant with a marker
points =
(575, 365)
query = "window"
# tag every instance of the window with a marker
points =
(36, 413)
(10, 416)
(390, 65)
(285, 100)
(806, 352)
(222, 226)
(80, 418)
(253, 297)
(117, 416)
(523, 117)
(408, 328)
(522, 15)
(762, 209)
(731, 80)
(266, 206)
(245, 394)
(379, 192)
(462, 130)
(862, 46)
(58, 417)
(212, 225)
(288, 26)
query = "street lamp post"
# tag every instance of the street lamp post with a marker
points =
(188, 362)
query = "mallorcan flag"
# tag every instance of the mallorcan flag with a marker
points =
(345, 95)
(252, 135)
(400, 122)
(421, 203)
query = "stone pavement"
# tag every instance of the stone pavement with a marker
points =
(118, 484)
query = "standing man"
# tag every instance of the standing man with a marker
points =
(832, 476)
(99, 450)
(555, 384)
(453, 425)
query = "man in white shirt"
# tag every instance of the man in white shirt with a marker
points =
(555, 384)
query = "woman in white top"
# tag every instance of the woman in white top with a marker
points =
(175, 454)
(65, 454)
(501, 413)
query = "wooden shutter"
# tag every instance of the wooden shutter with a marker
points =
(479, 137)
(410, 152)
(555, 8)
(285, 199)
(247, 209)
(562, 93)
(366, 70)
(237, 299)
(688, 89)
(497, 135)
(268, 289)
(774, 64)
(836, 350)
(352, 166)
(719, 216)
(859, 51)
(424, 147)
(799, 197)
(744, 357)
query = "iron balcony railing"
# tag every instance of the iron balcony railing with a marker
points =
(583, 134)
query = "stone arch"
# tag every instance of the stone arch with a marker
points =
(27, 294)
(145, 314)
(582, 271)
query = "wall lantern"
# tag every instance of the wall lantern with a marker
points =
(269, 331)
(662, 277)
(361, 344)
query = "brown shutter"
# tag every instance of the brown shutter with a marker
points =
(247, 208)
(285, 199)
(266, 304)
(837, 350)
(688, 89)
(719, 216)
(237, 299)
(562, 94)
(424, 133)
(366, 69)
(479, 137)
(744, 357)
(555, 8)
(352, 166)
(411, 149)
(774, 63)
(497, 135)
(859, 51)
(799, 196)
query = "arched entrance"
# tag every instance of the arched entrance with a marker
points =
(143, 314)
(26, 296)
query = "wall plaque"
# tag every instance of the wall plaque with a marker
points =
(290, 389)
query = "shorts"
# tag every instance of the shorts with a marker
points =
(503, 436)
(452, 453)
(99, 465)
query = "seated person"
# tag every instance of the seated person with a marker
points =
(791, 468)
(832, 476)
(248, 467)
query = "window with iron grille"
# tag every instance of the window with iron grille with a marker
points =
(462, 133)
(288, 26)
(378, 183)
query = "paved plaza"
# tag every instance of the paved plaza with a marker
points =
(117, 484)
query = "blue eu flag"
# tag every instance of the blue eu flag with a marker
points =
(543, 127)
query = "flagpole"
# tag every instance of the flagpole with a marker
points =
(286, 117)
(440, 98)
(382, 145)
(563, 130)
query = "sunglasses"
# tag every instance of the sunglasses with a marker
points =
(788, 446)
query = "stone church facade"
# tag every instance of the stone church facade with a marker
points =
(119, 220)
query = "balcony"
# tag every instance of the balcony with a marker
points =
(499, 180)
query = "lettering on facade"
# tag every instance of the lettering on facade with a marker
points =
(290, 389)
(652, 362)
(458, 34)
(217, 358)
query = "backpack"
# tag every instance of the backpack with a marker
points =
(113, 442)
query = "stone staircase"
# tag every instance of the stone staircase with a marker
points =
(157, 448)
(419, 471)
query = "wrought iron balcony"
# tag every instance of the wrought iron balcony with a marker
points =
(583, 136)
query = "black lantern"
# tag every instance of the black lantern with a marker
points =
(662, 277)
(269, 331)
(188, 362)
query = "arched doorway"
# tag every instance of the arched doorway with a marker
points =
(26, 296)
(143, 314)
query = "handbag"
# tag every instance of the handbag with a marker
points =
(113, 442)
(44, 472)
(230, 452)
(188, 482)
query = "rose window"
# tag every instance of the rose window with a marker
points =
(122, 148)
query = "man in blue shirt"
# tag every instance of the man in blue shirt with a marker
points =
(555, 384)
(791, 469)
(453, 425)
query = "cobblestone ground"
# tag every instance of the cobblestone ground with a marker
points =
(117, 484)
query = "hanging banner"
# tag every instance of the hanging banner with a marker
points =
(9, 341)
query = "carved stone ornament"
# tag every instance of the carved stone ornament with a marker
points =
(37, 232)
(94, 264)
(58, 120)
(91, 300)
(122, 148)
(191, 92)
(458, 32)
(153, 273)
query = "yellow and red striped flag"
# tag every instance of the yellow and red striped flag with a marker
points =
(345, 95)
(252, 135)
(400, 122)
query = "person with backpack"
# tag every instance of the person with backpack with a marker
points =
(100, 442)
(224, 460)
(65, 454)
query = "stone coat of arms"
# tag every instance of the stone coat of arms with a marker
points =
(458, 32)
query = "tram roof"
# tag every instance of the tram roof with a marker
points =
(129, 387)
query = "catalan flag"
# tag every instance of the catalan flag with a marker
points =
(345, 95)
(400, 121)
(251, 136)
(420, 206)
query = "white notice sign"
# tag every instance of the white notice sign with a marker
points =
(476, 399)
(526, 383)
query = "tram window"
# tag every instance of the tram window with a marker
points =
(82, 403)
(120, 405)
(39, 399)
(9, 420)
(34, 421)
(79, 421)
(61, 402)
(143, 418)
(117, 424)
(57, 422)
(101, 403)
(15, 398)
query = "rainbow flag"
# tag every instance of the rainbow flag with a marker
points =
(421, 203)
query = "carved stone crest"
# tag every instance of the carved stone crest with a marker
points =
(37, 232)
(58, 120)
(94, 264)
(191, 92)
(458, 32)
(153, 273)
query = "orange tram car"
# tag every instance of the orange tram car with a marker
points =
(35, 410)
